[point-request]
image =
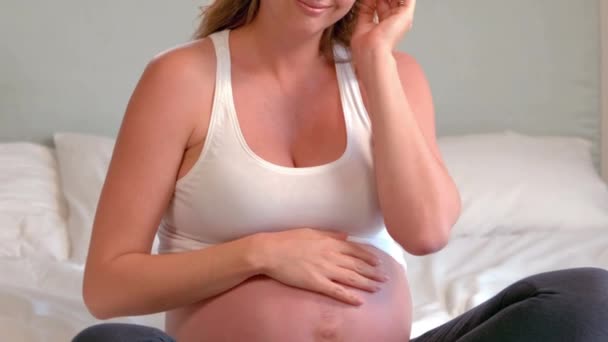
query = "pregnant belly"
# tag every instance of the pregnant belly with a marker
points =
(264, 310)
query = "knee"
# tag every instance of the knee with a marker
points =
(95, 333)
(598, 276)
(585, 291)
(575, 288)
(573, 301)
(584, 281)
(576, 301)
(591, 283)
(590, 303)
(110, 332)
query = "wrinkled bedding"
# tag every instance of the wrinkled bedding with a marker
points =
(40, 299)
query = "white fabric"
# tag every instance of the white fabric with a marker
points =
(32, 209)
(472, 269)
(503, 180)
(231, 192)
(515, 183)
(40, 300)
(83, 163)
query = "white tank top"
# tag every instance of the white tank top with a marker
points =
(231, 192)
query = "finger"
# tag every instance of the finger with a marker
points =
(337, 291)
(336, 235)
(410, 7)
(362, 268)
(366, 10)
(384, 9)
(358, 251)
(403, 6)
(318, 233)
(353, 279)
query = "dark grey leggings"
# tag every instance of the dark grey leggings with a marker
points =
(568, 305)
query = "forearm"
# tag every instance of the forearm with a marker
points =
(418, 198)
(138, 284)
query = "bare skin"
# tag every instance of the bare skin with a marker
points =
(262, 309)
(322, 288)
(318, 136)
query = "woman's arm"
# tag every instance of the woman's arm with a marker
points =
(419, 200)
(139, 283)
(121, 278)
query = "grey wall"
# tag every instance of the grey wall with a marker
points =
(528, 65)
(531, 66)
(71, 64)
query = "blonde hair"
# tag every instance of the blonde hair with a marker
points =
(231, 14)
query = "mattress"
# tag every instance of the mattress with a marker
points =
(40, 299)
(472, 269)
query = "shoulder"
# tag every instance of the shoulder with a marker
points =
(176, 88)
(180, 80)
(183, 64)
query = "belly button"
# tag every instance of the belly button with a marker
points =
(328, 330)
(327, 334)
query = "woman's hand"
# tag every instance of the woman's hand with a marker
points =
(320, 261)
(395, 19)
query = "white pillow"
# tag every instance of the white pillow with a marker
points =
(508, 182)
(32, 209)
(83, 164)
(511, 183)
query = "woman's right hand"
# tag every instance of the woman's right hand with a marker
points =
(320, 261)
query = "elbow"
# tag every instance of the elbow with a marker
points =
(428, 239)
(93, 304)
(95, 299)
(97, 313)
(430, 231)
(423, 244)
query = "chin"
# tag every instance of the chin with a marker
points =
(312, 24)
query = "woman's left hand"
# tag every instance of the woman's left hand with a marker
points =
(395, 19)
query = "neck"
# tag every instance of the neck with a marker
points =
(280, 51)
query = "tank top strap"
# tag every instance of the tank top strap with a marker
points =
(349, 82)
(223, 69)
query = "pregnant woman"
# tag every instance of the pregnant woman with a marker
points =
(287, 157)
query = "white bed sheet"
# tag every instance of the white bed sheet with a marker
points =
(40, 299)
(470, 270)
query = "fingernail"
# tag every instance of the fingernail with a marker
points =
(385, 277)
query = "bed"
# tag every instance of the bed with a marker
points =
(527, 156)
(41, 299)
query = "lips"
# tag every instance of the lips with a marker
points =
(313, 6)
